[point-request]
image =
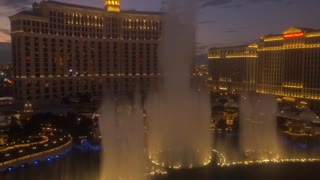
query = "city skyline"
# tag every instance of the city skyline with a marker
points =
(220, 23)
(133, 90)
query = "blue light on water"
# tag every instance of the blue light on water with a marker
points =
(86, 145)
(285, 142)
(36, 162)
(67, 151)
(10, 169)
(300, 145)
(23, 165)
(58, 156)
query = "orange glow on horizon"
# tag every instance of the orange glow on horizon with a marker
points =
(292, 35)
(4, 37)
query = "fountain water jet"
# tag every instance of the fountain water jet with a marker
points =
(258, 129)
(121, 126)
(179, 117)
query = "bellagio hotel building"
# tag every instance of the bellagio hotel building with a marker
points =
(61, 49)
(286, 65)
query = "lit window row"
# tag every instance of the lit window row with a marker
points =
(85, 20)
(115, 3)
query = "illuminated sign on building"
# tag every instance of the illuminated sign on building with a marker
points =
(292, 35)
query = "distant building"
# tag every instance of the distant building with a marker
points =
(304, 123)
(200, 70)
(289, 64)
(4, 67)
(6, 121)
(62, 49)
(27, 107)
(6, 101)
(230, 114)
(286, 65)
(6, 81)
(233, 69)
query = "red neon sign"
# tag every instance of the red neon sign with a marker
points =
(292, 35)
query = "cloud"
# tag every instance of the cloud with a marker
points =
(238, 3)
(290, 3)
(4, 31)
(8, 8)
(203, 47)
(230, 31)
(15, 5)
(202, 59)
(164, 2)
(207, 22)
(15, 2)
(216, 2)
(258, 1)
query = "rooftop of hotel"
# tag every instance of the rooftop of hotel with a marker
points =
(293, 29)
(291, 32)
(32, 13)
(29, 13)
(253, 45)
(229, 47)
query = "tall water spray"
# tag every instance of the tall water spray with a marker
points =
(179, 115)
(258, 128)
(122, 129)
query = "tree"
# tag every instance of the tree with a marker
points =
(15, 130)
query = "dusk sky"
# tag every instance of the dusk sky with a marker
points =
(221, 22)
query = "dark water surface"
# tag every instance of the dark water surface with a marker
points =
(75, 165)
(85, 165)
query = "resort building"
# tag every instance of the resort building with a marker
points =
(232, 69)
(286, 65)
(61, 49)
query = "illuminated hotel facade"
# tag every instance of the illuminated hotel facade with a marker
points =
(61, 49)
(232, 69)
(286, 65)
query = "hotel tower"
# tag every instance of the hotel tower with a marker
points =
(286, 65)
(61, 49)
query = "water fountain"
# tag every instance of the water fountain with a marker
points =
(179, 117)
(258, 129)
(122, 129)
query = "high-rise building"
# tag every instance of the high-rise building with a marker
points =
(289, 64)
(232, 69)
(286, 65)
(62, 49)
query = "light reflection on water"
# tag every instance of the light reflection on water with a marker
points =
(76, 165)
(85, 164)
(228, 144)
